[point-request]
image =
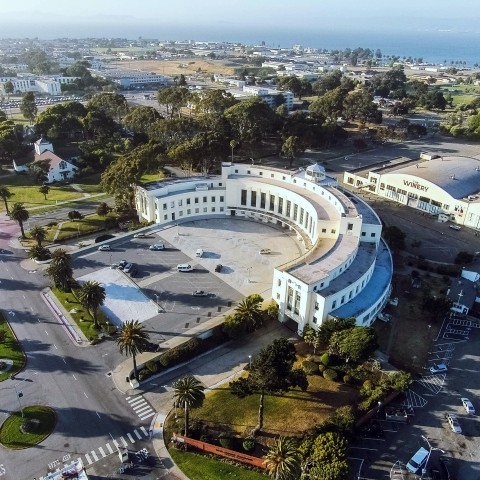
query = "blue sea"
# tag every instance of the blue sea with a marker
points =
(435, 46)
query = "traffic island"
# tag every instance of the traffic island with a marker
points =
(28, 427)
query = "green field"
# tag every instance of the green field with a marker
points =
(76, 228)
(10, 349)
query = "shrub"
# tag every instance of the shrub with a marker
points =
(143, 374)
(52, 224)
(311, 368)
(180, 354)
(325, 359)
(321, 367)
(330, 374)
(347, 378)
(226, 441)
(249, 444)
(152, 366)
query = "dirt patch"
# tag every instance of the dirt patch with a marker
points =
(176, 67)
(408, 337)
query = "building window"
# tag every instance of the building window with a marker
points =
(205, 209)
(196, 199)
(197, 210)
(180, 203)
(272, 203)
(333, 231)
(289, 206)
(289, 298)
(297, 303)
(316, 306)
(364, 233)
(373, 234)
(205, 199)
(248, 171)
(278, 296)
(222, 209)
(165, 217)
(301, 216)
(280, 205)
(314, 320)
(343, 300)
(272, 175)
(172, 204)
(188, 211)
(279, 283)
(180, 213)
(253, 199)
(213, 199)
(295, 211)
(262, 200)
(188, 201)
(164, 206)
(261, 173)
(213, 209)
(350, 226)
(221, 198)
(324, 230)
(334, 304)
(220, 184)
(236, 171)
(243, 199)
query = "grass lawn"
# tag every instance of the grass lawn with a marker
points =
(152, 177)
(72, 229)
(198, 467)
(81, 317)
(42, 420)
(10, 349)
(290, 414)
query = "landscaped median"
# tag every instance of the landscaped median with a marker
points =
(12, 358)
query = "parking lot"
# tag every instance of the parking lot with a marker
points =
(162, 298)
(384, 442)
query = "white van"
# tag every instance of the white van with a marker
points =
(418, 461)
(199, 252)
(184, 267)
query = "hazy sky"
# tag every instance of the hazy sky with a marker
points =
(287, 14)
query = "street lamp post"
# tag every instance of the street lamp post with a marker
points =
(250, 362)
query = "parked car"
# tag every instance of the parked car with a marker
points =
(104, 248)
(418, 461)
(199, 293)
(265, 251)
(468, 406)
(157, 246)
(455, 227)
(140, 235)
(218, 268)
(438, 368)
(453, 422)
(122, 264)
(128, 268)
(113, 266)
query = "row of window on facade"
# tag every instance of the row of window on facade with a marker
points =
(188, 201)
(196, 212)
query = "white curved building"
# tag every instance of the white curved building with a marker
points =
(447, 186)
(347, 268)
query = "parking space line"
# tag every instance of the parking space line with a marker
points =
(102, 452)
(109, 448)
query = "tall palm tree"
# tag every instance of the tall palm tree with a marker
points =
(189, 393)
(60, 269)
(283, 460)
(91, 296)
(5, 194)
(38, 233)
(20, 214)
(250, 312)
(132, 340)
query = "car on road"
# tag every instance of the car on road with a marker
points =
(184, 267)
(218, 268)
(104, 248)
(122, 264)
(156, 247)
(455, 227)
(265, 251)
(468, 406)
(140, 235)
(453, 422)
(438, 368)
(199, 293)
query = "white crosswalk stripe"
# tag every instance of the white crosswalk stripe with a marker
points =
(141, 407)
(107, 449)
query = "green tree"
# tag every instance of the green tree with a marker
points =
(394, 237)
(91, 296)
(329, 457)
(214, 102)
(140, 119)
(132, 340)
(464, 258)
(38, 233)
(39, 170)
(436, 307)
(37, 252)
(44, 189)
(5, 194)
(328, 82)
(28, 107)
(249, 312)
(188, 393)
(8, 88)
(20, 214)
(332, 325)
(103, 209)
(60, 269)
(272, 371)
(283, 460)
(114, 105)
(312, 337)
(291, 147)
(355, 344)
(329, 106)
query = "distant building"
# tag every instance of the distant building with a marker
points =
(444, 186)
(60, 169)
(51, 85)
(464, 292)
(128, 79)
(268, 95)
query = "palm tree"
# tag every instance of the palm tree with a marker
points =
(38, 233)
(60, 269)
(20, 214)
(132, 340)
(250, 312)
(38, 252)
(283, 460)
(5, 194)
(189, 392)
(44, 189)
(91, 296)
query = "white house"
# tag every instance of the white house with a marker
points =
(59, 170)
(347, 268)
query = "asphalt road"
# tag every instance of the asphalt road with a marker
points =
(70, 379)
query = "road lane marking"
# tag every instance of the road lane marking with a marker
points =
(74, 376)
(94, 455)
(125, 444)
(85, 394)
(56, 348)
(117, 445)
(102, 452)
(64, 361)
(144, 431)
(109, 448)
(142, 410)
(89, 460)
(147, 416)
(129, 435)
(137, 434)
(98, 415)
(46, 332)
